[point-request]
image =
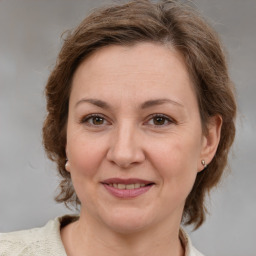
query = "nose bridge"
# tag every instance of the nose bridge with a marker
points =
(125, 145)
(125, 138)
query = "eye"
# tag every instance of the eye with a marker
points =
(159, 120)
(95, 120)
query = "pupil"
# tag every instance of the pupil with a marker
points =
(97, 120)
(159, 120)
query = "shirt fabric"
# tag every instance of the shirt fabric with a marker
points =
(47, 240)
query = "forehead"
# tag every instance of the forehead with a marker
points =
(141, 71)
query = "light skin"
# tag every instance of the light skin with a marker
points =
(133, 113)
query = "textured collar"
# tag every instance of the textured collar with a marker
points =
(184, 237)
(47, 240)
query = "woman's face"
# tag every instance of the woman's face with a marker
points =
(134, 137)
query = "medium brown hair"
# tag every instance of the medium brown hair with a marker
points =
(165, 22)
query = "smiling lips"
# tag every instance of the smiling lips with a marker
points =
(127, 188)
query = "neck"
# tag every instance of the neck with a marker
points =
(87, 236)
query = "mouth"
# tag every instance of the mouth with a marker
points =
(127, 188)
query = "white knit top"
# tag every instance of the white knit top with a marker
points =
(47, 240)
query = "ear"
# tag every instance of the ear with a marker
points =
(210, 141)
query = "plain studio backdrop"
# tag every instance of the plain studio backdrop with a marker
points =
(30, 32)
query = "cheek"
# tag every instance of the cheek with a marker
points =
(176, 162)
(178, 154)
(85, 156)
(85, 159)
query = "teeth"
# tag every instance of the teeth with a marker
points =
(128, 186)
(121, 186)
(137, 185)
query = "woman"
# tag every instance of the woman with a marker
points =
(140, 121)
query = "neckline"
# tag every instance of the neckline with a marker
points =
(183, 236)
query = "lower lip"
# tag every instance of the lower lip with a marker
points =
(127, 193)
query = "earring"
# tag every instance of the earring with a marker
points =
(67, 165)
(203, 163)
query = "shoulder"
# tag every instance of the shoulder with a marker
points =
(195, 252)
(190, 250)
(37, 241)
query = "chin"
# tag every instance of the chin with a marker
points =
(128, 222)
(127, 227)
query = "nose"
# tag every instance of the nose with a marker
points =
(126, 146)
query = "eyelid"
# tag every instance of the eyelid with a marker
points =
(168, 118)
(85, 119)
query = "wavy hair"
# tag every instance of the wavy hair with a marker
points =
(165, 22)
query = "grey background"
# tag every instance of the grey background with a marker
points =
(30, 33)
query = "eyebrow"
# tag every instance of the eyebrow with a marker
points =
(156, 102)
(146, 104)
(96, 102)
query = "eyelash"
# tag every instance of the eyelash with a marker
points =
(166, 118)
(86, 119)
(169, 120)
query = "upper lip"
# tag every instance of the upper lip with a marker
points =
(126, 181)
